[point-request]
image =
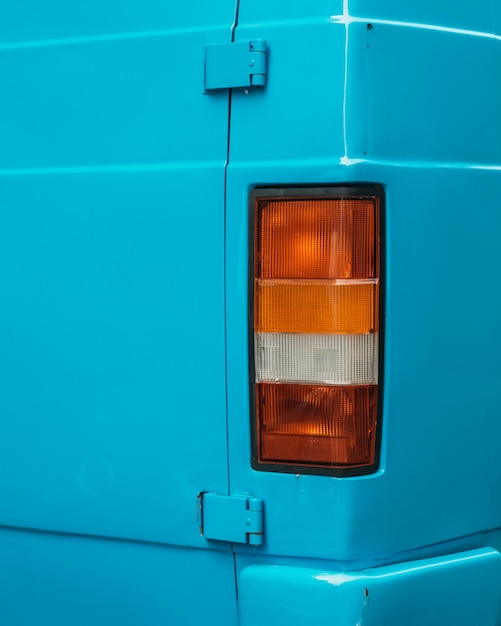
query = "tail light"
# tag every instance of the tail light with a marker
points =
(316, 322)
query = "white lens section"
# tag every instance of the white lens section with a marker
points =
(328, 359)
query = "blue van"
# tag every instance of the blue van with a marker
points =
(250, 313)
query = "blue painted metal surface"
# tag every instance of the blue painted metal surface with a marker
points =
(235, 65)
(391, 115)
(112, 309)
(56, 580)
(461, 590)
(122, 277)
(232, 518)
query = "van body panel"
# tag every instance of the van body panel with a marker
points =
(442, 300)
(112, 324)
(60, 580)
(125, 351)
(460, 589)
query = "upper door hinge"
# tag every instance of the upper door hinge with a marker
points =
(235, 65)
(238, 519)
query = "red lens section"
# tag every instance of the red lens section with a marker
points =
(316, 425)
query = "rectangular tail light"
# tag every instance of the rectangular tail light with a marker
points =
(316, 293)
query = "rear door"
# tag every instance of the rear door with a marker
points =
(112, 344)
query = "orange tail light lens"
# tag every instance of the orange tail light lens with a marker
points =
(316, 303)
(321, 306)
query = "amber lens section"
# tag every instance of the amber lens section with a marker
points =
(316, 425)
(316, 238)
(307, 306)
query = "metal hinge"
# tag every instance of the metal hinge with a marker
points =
(235, 65)
(238, 519)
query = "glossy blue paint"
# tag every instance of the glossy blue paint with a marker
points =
(111, 214)
(59, 580)
(238, 519)
(431, 105)
(101, 313)
(449, 15)
(408, 110)
(124, 317)
(461, 589)
(235, 65)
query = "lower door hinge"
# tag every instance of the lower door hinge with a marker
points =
(241, 64)
(238, 519)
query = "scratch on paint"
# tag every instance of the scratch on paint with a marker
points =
(365, 606)
(346, 15)
(81, 480)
